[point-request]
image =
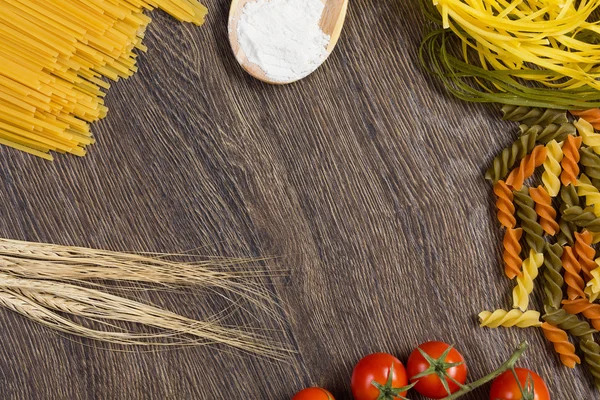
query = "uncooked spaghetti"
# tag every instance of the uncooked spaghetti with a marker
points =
(54, 58)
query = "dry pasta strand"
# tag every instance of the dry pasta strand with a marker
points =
(54, 55)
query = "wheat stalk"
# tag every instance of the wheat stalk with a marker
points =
(44, 281)
(77, 264)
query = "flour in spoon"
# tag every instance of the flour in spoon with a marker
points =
(283, 37)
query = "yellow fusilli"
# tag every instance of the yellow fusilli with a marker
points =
(524, 286)
(592, 289)
(590, 138)
(591, 193)
(510, 318)
(552, 168)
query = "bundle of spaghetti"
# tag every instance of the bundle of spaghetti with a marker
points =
(543, 41)
(54, 58)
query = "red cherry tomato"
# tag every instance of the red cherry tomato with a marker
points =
(376, 368)
(431, 385)
(313, 393)
(505, 386)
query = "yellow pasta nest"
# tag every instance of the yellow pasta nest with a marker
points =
(551, 35)
(54, 56)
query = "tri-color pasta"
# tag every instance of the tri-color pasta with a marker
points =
(556, 216)
(592, 289)
(552, 168)
(562, 346)
(573, 279)
(585, 253)
(589, 137)
(524, 285)
(527, 167)
(544, 209)
(569, 163)
(510, 318)
(590, 192)
(592, 116)
(54, 58)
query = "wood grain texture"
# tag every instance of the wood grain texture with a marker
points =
(365, 179)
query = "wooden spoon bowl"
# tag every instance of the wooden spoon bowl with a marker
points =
(331, 23)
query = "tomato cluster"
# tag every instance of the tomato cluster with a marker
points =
(435, 370)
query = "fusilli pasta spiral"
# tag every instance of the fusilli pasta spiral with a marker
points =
(584, 307)
(584, 218)
(574, 281)
(509, 156)
(591, 164)
(553, 279)
(585, 253)
(504, 204)
(591, 356)
(591, 193)
(533, 116)
(556, 132)
(510, 318)
(562, 346)
(569, 323)
(569, 197)
(526, 213)
(512, 252)
(552, 168)
(570, 160)
(586, 131)
(527, 167)
(524, 285)
(543, 208)
(592, 289)
(592, 116)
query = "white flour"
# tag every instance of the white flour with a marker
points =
(283, 37)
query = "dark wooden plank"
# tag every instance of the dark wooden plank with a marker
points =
(365, 180)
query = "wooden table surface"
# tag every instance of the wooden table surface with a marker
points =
(365, 180)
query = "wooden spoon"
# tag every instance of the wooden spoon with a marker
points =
(331, 24)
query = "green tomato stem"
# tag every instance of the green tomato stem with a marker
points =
(509, 364)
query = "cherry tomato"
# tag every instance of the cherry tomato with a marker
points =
(505, 386)
(378, 368)
(431, 385)
(313, 393)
